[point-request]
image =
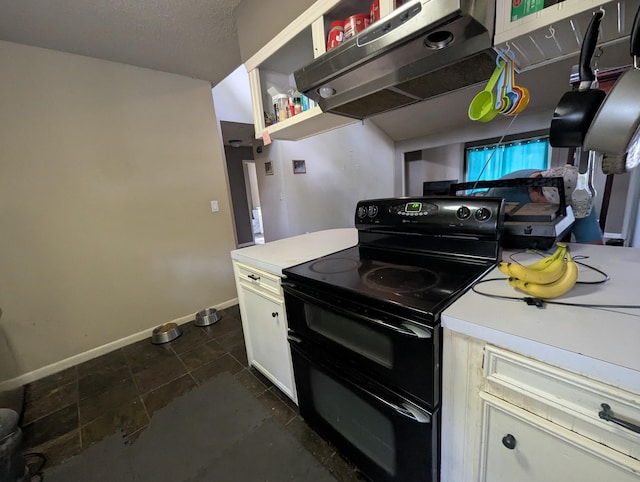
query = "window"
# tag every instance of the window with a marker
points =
(492, 161)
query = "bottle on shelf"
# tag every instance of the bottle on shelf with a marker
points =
(290, 108)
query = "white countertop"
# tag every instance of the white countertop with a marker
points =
(274, 256)
(603, 343)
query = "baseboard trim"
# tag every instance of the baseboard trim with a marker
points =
(47, 370)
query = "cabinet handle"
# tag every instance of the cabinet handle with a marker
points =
(607, 414)
(274, 314)
(509, 441)
(253, 277)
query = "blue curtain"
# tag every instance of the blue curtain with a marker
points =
(506, 158)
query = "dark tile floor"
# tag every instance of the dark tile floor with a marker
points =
(69, 411)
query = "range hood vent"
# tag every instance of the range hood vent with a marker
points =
(423, 49)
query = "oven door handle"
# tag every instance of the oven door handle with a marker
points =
(405, 409)
(405, 329)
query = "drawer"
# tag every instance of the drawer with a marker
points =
(566, 398)
(258, 279)
(519, 446)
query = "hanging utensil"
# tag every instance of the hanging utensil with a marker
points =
(591, 169)
(576, 109)
(501, 98)
(616, 125)
(511, 97)
(522, 94)
(483, 105)
(581, 198)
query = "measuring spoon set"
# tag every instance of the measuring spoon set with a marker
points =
(501, 95)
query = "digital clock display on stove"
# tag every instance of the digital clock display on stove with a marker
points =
(413, 207)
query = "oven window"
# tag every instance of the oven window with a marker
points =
(356, 420)
(350, 334)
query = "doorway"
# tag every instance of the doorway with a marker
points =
(238, 140)
(253, 200)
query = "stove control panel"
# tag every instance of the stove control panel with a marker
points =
(447, 215)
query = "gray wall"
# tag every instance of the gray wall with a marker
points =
(436, 164)
(105, 228)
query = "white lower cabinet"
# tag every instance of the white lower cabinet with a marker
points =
(264, 322)
(519, 446)
(509, 417)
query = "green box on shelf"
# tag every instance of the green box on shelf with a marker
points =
(522, 8)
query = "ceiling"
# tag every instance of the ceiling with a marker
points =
(197, 38)
(194, 38)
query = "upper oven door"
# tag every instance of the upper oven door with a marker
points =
(387, 347)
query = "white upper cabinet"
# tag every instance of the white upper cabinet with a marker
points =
(556, 31)
(271, 70)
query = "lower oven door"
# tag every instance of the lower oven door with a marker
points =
(387, 347)
(385, 435)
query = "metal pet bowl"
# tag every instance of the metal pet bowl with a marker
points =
(165, 333)
(207, 317)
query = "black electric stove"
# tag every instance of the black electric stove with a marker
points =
(364, 327)
(413, 254)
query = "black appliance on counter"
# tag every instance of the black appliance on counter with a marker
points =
(364, 327)
(531, 225)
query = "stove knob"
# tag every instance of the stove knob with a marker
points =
(463, 212)
(373, 211)
(483, 214)
(362, 212)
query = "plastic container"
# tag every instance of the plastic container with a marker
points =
(354, 24)
(336, 34)
(280, 103)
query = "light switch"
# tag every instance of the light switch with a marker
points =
(214, 206)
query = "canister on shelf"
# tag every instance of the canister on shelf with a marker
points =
(280, 101)
(374, 11)
(336, 34)
(354, 24)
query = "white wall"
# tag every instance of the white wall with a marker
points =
(344, 166)
(105, 225)
(232, 97)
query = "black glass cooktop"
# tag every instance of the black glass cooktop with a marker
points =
(423, 283)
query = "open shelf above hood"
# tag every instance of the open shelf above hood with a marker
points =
(424, 49)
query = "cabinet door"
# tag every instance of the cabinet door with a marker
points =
(519, 446)
(266, 325)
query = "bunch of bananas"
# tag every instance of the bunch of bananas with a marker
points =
(547, 278)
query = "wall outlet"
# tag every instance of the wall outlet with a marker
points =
(214, 206)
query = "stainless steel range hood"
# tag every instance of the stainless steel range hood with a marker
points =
(423, 49)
